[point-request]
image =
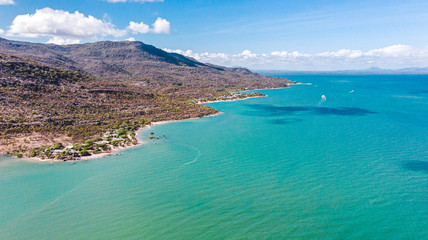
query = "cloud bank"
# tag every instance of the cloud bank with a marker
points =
(7, 2)
(64, 27)
(395, 56)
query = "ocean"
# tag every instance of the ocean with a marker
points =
(343, 158)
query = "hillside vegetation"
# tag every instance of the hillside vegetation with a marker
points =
(83, 91)
(141, 64)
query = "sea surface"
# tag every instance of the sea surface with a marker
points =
(343, 158)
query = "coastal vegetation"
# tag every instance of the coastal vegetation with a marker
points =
(46, 105)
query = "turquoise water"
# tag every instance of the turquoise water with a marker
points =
(287, 166)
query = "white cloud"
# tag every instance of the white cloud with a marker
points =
(393, 51)
(141, 1)
(62, 26)
(62, 41)
(138, 27)
(7, 2)
(395, 56)
(1, 31)
(342, 53)
(69, 28)
(247, 54)
(161, 26)
(131, 39)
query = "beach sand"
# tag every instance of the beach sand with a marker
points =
(115, 150)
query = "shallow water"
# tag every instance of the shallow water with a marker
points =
(294, 165)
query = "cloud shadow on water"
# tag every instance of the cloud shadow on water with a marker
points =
(271, 110)
(420, 92)
(419, 166)
(286, 121)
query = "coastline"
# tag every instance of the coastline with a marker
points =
(229, 100)
(115, 150)
(289, 86)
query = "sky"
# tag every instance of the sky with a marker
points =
(256, 34)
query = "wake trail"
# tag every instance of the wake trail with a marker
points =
(197, 157)
(194, 148)
(199, 154)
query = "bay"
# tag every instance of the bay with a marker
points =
(343, 158)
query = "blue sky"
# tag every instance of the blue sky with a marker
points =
(300, 35)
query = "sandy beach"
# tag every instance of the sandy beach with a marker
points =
(115, 150)
(231, 100)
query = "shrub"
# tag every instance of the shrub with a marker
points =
(57, 146)
(35, 153)
(77, 147)
(87, 146)
(84, 153)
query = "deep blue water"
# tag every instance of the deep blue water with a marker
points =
(293, 165)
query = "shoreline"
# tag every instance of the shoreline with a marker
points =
(230, 100)
(289, 86)
(115, 150)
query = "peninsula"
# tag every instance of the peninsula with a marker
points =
(73, 101)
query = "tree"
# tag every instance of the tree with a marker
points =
(84, 153)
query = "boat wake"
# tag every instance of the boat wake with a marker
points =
(197, 157)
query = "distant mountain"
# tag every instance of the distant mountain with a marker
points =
(140, 64)
(373, 70)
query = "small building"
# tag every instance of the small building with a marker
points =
(117, 139)
(69, 147)
(73, 151)
(58, 151)
(101, 142)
